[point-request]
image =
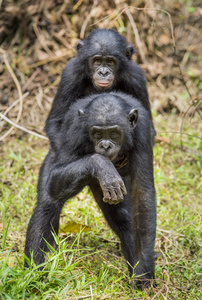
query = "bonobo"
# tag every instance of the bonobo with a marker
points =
(105, 143)
(103, 63)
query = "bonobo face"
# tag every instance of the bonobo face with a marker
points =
(103, 71)
(107, 140)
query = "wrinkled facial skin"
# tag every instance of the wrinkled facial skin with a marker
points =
(103, 70)
(107, 140)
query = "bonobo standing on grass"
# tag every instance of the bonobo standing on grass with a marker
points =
(105, 142)
(103, 63)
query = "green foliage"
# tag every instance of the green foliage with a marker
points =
(5, 223)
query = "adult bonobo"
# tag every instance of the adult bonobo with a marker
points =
(105, 143)
(103, 63)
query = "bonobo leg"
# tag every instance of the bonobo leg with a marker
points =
(119, 219)
(45, 218)
(134, 221)
(144, 216)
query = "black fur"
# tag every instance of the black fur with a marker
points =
(66, 172)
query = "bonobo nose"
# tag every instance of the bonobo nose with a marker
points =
(103, 72)
(105, 145)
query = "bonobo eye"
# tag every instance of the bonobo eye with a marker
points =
(114, 134)
(97, 135)
(97, 60)
(110, 62)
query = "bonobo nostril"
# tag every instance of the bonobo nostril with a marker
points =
(106, 145)
(103, 72)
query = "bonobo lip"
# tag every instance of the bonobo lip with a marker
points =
(104, 84)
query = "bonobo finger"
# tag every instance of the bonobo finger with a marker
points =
(112, 202)
(120, 195)
(112, 199)
(106, 200)
(106, 196)
(123, 188)
(113, 194)
(117, 196)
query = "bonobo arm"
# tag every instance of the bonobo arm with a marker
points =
(132, 81)
(69, 90)
(67, 180)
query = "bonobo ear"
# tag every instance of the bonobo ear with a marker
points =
(79, 45)
(133, 117)
(129, 51)
(81, 112)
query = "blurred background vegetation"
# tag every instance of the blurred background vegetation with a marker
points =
(37, 39)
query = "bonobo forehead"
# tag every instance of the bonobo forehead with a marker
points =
(105, 42)
(106, 109)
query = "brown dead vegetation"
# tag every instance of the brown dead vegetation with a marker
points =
(37, 39)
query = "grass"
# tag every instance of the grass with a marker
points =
(89, 264)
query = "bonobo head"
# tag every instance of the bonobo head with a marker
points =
(110, 124)
(105, 51)
(107, 140)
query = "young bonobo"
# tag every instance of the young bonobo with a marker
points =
(105, 143)
(103, 63)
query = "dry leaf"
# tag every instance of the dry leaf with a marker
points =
(73, 227)
(165, 39)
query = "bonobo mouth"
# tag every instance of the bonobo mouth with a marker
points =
(110, 156)
(104, 84)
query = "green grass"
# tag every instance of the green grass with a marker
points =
(89, 265)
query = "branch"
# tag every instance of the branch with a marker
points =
(19, 92)
(21, 128)
(167, 141)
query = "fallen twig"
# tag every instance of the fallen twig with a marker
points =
(14, 103)
(137, 36)
(21, 127)
(83, 28)
(19, 92)
(159, 139)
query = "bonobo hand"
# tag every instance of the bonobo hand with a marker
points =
(113, 188)
(111, 183)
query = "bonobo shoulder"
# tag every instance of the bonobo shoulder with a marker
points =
(72, 67)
